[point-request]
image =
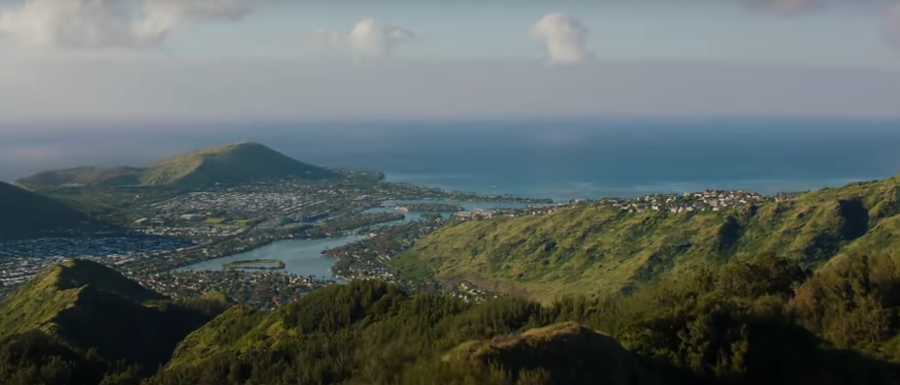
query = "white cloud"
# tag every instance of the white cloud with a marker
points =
(74, 24)
(891, 26)
(368, 39)
(787, 7)
(564, 38)
(163, 15)
(91, 24)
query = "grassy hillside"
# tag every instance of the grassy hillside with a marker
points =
(606, 250)
(573, 353)
(90, 307)
(24, 214)
(237, 162)
(86, 176)
(233, 163)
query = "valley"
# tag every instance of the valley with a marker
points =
(383, 283)
(158, 228)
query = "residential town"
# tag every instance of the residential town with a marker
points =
(207, 225)
(261, 289)
(702, 201)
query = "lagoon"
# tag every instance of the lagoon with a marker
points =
(301, 256)
(304, 256)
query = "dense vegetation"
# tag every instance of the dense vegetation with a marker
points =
(233, 163)
(83, 308)
(24, 214)
(760, 321)
(604, 249)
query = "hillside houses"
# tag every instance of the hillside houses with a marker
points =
(707, 200)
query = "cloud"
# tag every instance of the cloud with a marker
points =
(163, 15)
(368, 39)
(93, 24)
(891, 26)
(786, 7)
(564, 38)
(74, 24)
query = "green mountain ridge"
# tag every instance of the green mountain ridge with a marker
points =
(232, 163)
(765, 321)
(588, 356)
(86, 176)
(604, 249)
(24, 214)
(88, 306)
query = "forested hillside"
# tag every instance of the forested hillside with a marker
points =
(608, 250)
(766, 321)
(85, 310)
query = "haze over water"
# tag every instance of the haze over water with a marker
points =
(553, 159)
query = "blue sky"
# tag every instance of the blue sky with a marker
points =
(282, 60)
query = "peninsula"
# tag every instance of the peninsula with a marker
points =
(256, 264)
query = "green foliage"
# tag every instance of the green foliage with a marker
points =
(90, 307)
(761, 320)
(57, 288)
(738, 324)
(607, 250)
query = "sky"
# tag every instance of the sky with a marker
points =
(67, 63)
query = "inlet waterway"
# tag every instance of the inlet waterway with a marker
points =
(304, 256)
(300, 256)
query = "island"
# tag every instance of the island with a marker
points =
(430, 207)
(256, 264)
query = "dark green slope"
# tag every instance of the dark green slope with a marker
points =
(603, 249)
(733, 326)
(88, 306)
(234, 163)
(570, 354)
(374, 333)
(24, 214)
(86, 176)
(763, 321)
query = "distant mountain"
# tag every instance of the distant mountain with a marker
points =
(24, 214)
(233, 163)
(608, 250)
(86, 176)
(88, 306)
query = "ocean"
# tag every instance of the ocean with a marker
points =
(561, 159)
(569, 160)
